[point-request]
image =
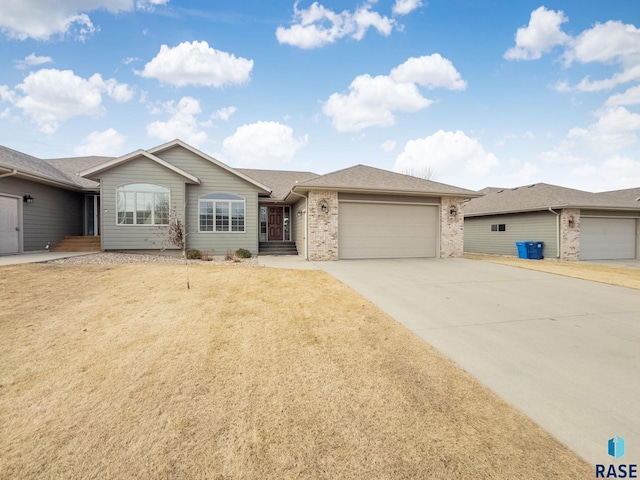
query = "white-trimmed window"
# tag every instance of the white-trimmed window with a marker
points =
(143, 204)
(221, 212)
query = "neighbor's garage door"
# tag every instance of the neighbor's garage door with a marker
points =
(607, 238)
(379, 230)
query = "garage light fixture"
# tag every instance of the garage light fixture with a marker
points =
(27, 199)
(453, 211)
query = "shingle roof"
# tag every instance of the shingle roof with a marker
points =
(280, 181)
(542, 196)
(370, 179)
(72, 166)
(628, 193)
(34, 167)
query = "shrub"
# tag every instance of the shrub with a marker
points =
(243, 253)
(229, 255)
(207, 255)
(194, 254)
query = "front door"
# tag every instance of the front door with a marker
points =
(9, 227)
(275, 223)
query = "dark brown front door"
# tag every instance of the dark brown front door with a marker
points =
(275, 223)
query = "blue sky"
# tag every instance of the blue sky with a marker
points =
(493, 93)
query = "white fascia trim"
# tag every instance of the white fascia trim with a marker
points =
(216, 162)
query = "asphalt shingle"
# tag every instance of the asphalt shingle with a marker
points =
(542, 196)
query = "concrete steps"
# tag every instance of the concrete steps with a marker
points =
(277, 248)
(78, 244)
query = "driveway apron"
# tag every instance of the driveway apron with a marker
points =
(564, 351)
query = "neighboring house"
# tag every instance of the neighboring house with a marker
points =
(573, 224)
(358, 212)
(41, 204)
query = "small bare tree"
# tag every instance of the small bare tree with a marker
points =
(426, 173)
(177, 237)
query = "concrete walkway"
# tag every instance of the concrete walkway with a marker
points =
(564, 351)
(295, 262)
(38, 257)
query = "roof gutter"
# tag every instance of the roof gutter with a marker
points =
(10, 174)
(557, 231)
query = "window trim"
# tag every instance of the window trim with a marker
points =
(223, 198)
(155, 190)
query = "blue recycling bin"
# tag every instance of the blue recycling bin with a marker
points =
(534, 250)
(522, 249)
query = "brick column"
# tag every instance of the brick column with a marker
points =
(451, 227)
(570, 235)
(323, 225)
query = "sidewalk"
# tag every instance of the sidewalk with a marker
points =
(286, 261)
(38, 257)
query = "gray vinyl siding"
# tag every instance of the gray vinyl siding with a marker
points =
(215, 179)
(136, 237)
(535, 226)
(54, 213)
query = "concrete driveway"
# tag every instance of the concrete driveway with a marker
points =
(564, 351)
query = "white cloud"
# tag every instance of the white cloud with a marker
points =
(615, 129)
(149, 5)
(108, 143)
(448, 153)
(32, 60)
(52, 96)
(317, 25)
(388, 145)
(42, 19)
(526, 174)
(372, 101)
(541, 35)
(614, 173)
(7, 95)
(182, 123)
(263, 145)
(430, 71)
(198, 64)
(224, 113)
(630, 97)
(610, 42)
(559, 157)
(404, 7)
(587, 85)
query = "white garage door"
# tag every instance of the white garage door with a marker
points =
(379, 230)
(607, 238)
(9, 234)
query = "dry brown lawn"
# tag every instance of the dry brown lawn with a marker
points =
(120, 372)
(610, 274)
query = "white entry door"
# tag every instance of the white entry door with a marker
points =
(9, 226)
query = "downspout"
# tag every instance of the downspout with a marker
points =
(10, 174)
(557, 231)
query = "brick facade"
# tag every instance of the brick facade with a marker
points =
(323, 225)
(451, 228)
